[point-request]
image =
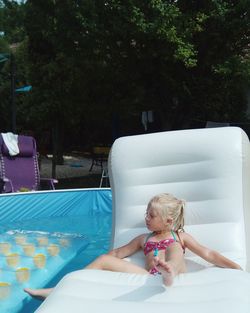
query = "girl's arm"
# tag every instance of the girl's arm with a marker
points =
(129, 249)
(207, 254)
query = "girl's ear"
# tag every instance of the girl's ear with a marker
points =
(169, 221)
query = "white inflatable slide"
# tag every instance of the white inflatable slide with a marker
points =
(210, 169)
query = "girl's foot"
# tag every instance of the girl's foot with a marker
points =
(39, 293)
(167, 271)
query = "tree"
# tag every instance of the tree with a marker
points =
(88, 60)
(12, 34)
(4, 82)
(12, 20)
(218, 81)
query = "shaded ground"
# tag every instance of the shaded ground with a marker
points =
(75, 173)
(88, 181)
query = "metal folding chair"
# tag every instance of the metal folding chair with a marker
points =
(21, 172)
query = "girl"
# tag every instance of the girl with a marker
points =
(164, 246)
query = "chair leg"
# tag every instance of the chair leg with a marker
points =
(1, 185)
(104, 176)
(91, 165)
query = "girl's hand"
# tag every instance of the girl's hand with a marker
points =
(156, 261)
(239, 268)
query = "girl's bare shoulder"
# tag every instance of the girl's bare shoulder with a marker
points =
(185, 237)
(142, 238)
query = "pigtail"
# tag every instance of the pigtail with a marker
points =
(179, 223)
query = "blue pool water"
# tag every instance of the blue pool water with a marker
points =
(97, 231)
(86, 222)
(32, 258)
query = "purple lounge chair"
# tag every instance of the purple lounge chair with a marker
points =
(21, 172)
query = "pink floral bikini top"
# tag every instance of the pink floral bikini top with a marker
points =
(158, 245)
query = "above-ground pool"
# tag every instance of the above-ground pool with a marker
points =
(45, 235)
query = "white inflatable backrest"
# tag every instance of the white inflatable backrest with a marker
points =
(209, 168)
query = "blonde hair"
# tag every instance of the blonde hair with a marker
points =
(169, 207)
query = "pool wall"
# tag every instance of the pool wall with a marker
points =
(22, 206)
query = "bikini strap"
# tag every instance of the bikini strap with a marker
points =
(173, 234)
(180, 241)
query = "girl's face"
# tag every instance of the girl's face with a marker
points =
(154, 220)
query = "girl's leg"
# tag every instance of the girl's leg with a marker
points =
(111, 263)
(39, 293)
(104, 262)
(173, 265)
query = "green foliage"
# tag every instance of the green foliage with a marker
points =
(88, 60)
(4, 82)
(24, 189)
(12, 20)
